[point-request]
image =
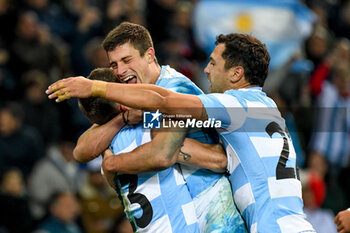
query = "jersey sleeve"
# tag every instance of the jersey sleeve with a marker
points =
(225, 108)
(180, 85)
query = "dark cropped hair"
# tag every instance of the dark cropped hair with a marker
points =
(99, 110)
(137, 35)
(248, 52)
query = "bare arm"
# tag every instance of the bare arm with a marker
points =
(163, 151)
(204, 155)
(209, 156)
(96, 139)
(158, 154)
(168, 102)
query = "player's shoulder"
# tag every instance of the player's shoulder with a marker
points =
(127, 139)
(171, 79)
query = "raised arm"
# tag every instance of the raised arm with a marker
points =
(168, 102)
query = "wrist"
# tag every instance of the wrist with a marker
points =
(185, 155)
(98, 88)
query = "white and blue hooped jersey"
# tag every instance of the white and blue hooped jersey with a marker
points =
(210, 190)
(198, 179)
(261, 160)
(153, 202)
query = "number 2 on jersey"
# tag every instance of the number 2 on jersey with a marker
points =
(282, 171)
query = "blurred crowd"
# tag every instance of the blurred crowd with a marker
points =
(43, 189)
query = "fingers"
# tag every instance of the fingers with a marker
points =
(54, 87)
(340, 227)
(58, 91)
(108, 153)
(336, 219)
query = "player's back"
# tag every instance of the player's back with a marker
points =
(261, 160)
(154, 202)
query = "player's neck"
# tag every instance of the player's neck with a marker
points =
(242, 83)
(154, 73)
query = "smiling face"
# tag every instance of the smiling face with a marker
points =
(218, 77)
(127, 63)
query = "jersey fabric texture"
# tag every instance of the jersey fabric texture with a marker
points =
(261, 160)
(153, 202)
(208, 189)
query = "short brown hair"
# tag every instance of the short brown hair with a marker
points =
(138, 36)
(248, 52)
(99, 110)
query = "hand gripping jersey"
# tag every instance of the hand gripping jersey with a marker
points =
(153, 202)
(261, 160)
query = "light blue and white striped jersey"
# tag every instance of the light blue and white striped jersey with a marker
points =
(331, 134)
(198, 179)
(153, 202)
(210, 190)
(261, 160)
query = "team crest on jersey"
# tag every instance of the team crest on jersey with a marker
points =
(151, 120)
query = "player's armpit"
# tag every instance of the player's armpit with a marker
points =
(209, 156)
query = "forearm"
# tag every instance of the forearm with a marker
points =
(96, 139)
(209, 156)
(158, 98)
(168, 102)
(156, 155)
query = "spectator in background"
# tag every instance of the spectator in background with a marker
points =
(63, 209)
(340, 22)
(122, 225)
(8, 84)
(340, 53)
(15, 216)
(88, 26)
(159, 15)
(113, 15)
(180, 50)
(40, 113)
(58, 171)
(95, 54)
(317, 45)
(21, 146)
(61, 23)
(314, 191)
(100, 204)
(330, 149)
(32, 47)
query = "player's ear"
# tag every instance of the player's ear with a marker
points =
(150, 55)
(123, 108)
(236, 73)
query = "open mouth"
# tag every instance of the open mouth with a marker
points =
(130, 79)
